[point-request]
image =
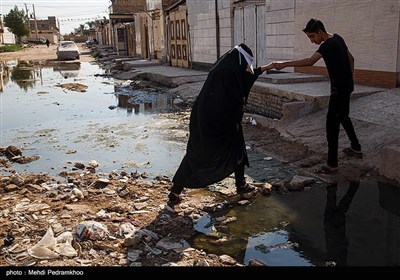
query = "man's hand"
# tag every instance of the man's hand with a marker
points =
(279, 65)
(267, 67)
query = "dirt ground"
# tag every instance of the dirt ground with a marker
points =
(115, 219)
(84, 218)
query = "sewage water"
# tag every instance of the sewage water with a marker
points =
(64, 126)
(352, 223)
(347, 224)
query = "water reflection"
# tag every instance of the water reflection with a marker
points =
(123, 102)
(346, 224)
(275, 249)
(23, 74)
(26, 74)
(61, 120)
(139, 101)
(68, 69)
(335, 223)
(389, 198)
(4, 75)
(253, 232)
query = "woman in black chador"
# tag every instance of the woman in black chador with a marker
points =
(216, 145)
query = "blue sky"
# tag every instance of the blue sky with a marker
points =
(70, 13)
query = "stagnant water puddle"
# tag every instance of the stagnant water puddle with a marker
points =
(111, 122)
(352, 223)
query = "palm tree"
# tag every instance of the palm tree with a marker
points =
(82, 28)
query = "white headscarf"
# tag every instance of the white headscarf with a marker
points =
(247, 56)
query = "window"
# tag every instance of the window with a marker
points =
(121, 34)
(173, 51)
(178, 30)
(184, 54)
(172, 30)
(179, 52)
(183, 28)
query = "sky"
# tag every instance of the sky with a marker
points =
(70, 13)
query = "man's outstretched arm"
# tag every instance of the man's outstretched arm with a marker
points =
(298, 63)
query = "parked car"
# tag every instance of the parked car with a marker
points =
(90, 42)
(67, 50)
(39, 41)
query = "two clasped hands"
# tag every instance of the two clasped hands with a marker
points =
(278, 65)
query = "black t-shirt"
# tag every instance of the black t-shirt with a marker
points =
(334, 53)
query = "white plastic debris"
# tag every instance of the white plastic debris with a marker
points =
(252, 121)
(93, 164)
(91, 230)
(50, 247)
(78, 193)
(43, 249)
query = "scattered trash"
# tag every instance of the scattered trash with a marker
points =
(91, 230)
(252, 121)
(50, 247)
(9, 239)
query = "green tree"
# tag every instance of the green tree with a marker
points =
(82, 28)
(17, 22)
(91, 24)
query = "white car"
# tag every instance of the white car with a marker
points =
(67, 50)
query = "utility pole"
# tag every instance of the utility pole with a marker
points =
(34, 16)
(27, 15)
(59, 30)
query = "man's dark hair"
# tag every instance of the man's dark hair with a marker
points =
(313, 26)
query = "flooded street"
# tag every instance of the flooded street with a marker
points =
(321, 226)
(65, 126)
(348, 224)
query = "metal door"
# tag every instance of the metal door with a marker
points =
(249, 28)
(121, 41)
(179, 38)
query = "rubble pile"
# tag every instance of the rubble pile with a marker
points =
(105, 219)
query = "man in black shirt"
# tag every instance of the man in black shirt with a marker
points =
(340, 64)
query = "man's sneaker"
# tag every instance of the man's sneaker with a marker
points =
(326, 169)
(352, 153)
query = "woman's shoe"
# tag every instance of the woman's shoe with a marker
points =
(173, 199)
(246, 191)
(326, 169)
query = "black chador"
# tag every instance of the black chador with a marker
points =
(216, 146)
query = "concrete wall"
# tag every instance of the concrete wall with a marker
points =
(7, 37)
(140, 34)
(280, 29)
(128, 6)
(203, 29)
(226, 24)
(390, 162)
(369, 27)
(160, 4)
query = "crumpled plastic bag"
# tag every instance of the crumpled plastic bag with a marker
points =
(50, 247)
(91, 230)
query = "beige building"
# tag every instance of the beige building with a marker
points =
(138, 28)
(6, 37)
(157, 27)
(122, 18)
(43, 29)
(273, 29)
